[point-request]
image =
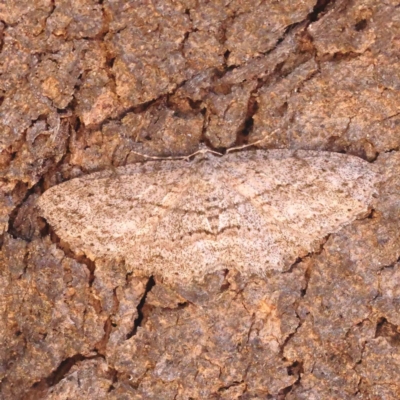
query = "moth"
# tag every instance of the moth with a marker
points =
(254, 211)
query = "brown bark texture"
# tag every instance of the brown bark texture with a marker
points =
(90, 85)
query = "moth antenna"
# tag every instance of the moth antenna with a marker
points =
(249, 144)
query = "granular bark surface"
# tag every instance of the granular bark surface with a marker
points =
(90, 86)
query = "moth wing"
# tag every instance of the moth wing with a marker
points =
(106, 214)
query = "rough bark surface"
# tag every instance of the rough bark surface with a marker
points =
(89, 86)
